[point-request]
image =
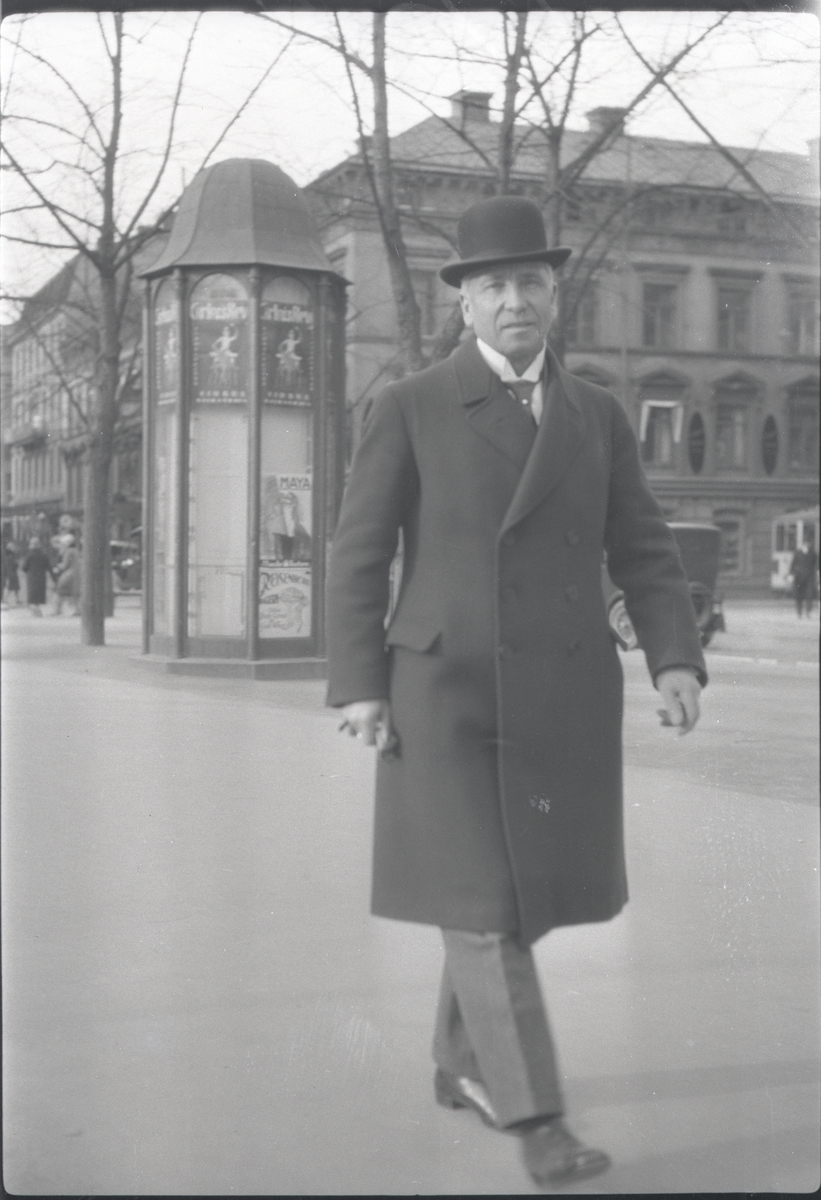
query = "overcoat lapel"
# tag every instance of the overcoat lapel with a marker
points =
(558, 441)
(491, 410)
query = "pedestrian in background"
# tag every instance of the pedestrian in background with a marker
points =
(803, 570)
(495, 695)
(68, 577)
(11, 579)
(36, 567)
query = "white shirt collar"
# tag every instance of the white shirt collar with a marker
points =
(500, 366)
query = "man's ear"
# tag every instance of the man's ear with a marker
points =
(467, 315)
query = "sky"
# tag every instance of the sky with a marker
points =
(754, 82)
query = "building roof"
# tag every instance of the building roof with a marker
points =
(44, 302)
(436, 144)
(241, 212)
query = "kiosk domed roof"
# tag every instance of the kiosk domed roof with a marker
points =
(242, 211)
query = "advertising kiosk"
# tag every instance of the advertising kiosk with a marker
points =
(244, 428)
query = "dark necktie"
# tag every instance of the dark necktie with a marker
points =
(522, 389)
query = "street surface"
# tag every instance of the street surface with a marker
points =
(196, 1001)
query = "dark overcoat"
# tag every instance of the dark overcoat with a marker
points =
(36, 567)
(503, 809)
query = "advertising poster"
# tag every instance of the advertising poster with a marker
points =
(287, 353)
(285, 556)
(220, 350)
(285, 519)
(167, 351)
(284, 600)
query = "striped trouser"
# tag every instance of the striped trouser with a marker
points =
(491, 1025)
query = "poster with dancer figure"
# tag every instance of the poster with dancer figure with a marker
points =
(287, 353)
(220, 334)
(166, 315)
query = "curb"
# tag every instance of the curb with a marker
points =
(762, 662)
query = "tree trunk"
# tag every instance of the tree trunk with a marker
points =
(95, 537)
(554, 225)
(448, 339)
(407, 310)
(513, 63)
(98, 466)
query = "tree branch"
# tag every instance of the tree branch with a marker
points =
(350, 57)
(53, 209)
(68, 85)
(246, 101)
(169, 141)
(724, 151)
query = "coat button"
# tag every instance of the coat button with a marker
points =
(572, 592)
(574, 646)
(572, 537)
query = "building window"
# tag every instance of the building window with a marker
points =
(659, 315)
(769, 445)
(424, 288)
(802, 453)
(803, 320)
(660, 430)
(696, 443)
(734, 310)
(731, 436)
(581, 319)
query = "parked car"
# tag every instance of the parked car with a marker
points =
(700, 548)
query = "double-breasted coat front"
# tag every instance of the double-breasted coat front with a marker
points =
(502, 810)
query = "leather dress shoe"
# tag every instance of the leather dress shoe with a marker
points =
(457, 1091)
(555, 1158)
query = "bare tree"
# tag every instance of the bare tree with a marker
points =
(75, 173)
(376, 154)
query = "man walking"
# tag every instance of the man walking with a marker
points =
(495, 695)
(803, 569)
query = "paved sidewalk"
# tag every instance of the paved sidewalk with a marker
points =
(196, 1001)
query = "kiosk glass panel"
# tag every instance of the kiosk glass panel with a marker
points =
(218, 459)
(165, 396)
(286, 485)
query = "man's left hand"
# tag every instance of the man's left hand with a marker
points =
(680, 691)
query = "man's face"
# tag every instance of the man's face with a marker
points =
(511, 308)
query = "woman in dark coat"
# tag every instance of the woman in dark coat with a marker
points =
(11, 580)
(36, 567)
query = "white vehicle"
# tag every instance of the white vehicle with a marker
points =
(788, 533)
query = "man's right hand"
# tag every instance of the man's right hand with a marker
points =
(369, 720)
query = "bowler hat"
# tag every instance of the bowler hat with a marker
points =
(503, 229)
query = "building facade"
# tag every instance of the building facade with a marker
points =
(49, 365)
(693, 295)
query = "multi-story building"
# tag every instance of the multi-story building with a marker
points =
(693, 294)
(49, 361)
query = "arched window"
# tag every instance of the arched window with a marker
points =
(769, 444)
(802, 447)
(696, 443)
(733, 399)
(662, 413)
